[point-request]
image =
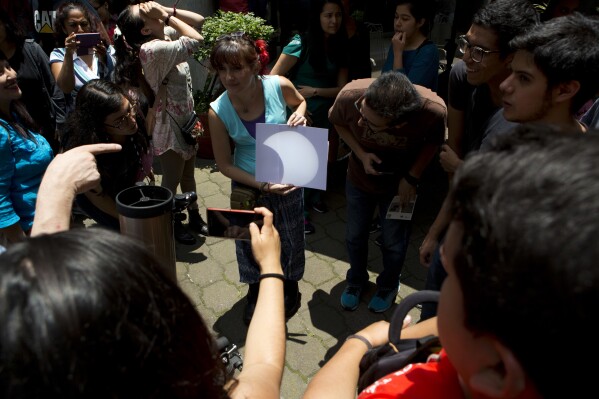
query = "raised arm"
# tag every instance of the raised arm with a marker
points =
(346, 362)
(184, 22)
(69, 174)
(265, 343)
(64, 72)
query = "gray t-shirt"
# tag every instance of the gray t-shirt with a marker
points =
(496, 127)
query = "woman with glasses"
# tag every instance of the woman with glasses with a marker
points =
(152, 50)
(410, 51)
(252, 98)
(72, 68)
(317, 64)
(106, 114)
(24, 157)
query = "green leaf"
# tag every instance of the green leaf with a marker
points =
(221, 23)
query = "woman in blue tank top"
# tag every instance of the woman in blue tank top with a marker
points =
(251, 98)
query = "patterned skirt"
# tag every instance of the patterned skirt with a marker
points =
(288, 211)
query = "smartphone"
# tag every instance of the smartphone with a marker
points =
(231, 223)
(87, 42)
(383, 168)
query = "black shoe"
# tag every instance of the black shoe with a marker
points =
(292, 298)
(252, 299)
(320, 207)
(196, 223)
(309, 227)
(182, 235)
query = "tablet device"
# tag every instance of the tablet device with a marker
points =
(231, 223)
(87, 42)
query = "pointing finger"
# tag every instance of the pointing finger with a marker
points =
(100, 148)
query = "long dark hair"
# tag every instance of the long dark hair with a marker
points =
(97, 99)
(15, 33)
(63, 13)
(91, 313)
(420, 9)
(335, 50)
(128, 71)
(19, 119)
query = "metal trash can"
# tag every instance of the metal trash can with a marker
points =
(146, 213)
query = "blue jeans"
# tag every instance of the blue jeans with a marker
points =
(395, 236)
(289, 221)
(434, 280)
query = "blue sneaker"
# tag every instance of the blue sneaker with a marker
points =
(350, 298)
(382, 299)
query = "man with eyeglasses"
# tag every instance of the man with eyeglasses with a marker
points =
(474, 94)
(394, 128)
(473, 101)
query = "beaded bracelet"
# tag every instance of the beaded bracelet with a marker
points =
(274, 275)
(361, 338)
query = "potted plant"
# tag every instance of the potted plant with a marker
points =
(222, 22)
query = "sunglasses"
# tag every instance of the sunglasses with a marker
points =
(232, 36)
(125, 119)
(74, 24)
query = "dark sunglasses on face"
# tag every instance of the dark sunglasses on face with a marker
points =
(74, 24)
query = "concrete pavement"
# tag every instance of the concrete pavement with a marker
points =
(208, 273)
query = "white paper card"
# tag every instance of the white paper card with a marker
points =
(396, 211)
(292, 155)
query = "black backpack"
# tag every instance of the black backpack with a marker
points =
(398, 353)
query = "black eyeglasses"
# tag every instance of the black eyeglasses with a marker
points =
(476, 53)
(124, 119)
(370, 126)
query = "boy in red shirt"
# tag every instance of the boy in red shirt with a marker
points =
(520, 255)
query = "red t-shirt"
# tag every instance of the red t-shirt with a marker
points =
(435, 379)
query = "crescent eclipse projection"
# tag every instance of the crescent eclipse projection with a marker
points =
(297, 155)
